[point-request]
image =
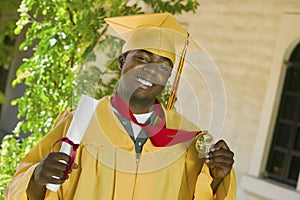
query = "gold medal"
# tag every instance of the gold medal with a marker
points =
(204, 143)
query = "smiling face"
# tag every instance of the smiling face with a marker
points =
(143, 76)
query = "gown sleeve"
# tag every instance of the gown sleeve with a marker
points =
(226, 190)
(17, 187)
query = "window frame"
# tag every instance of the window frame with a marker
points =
(293, 122)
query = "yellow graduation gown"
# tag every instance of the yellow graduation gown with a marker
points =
(108, 168)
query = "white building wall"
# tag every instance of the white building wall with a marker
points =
(246, 40)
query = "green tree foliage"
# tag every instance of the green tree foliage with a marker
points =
(64, 34)
(8, 19)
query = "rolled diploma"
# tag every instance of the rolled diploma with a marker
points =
(83, 114)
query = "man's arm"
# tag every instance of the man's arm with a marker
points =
(215, 184)
(35, 191)
(22, 184)
(209, 188)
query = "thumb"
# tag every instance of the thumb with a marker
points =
(74, 166)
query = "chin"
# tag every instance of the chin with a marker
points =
(145, 95)
(139, 96)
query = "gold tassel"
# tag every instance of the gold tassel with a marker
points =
(172, 97)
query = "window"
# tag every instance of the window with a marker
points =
(284, 158)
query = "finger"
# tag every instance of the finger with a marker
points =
(220, 156)
(217, 160)
(60, 165)
(57, 178)
(44, 175)
(46, 180)
(226, 153)
(50, 172)
(221, 144)
(53, 180)
(212, 157)
(221, 163)
(57, 160)
(218, 173)
(74, 166)
(59, 156)
(223, 167)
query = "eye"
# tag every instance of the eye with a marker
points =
(142, 59)
(164, 68)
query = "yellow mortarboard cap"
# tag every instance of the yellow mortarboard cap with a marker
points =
(162, 20)
(158, 33)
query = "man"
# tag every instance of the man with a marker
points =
(133, 148)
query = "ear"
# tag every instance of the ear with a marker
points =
(121, 61)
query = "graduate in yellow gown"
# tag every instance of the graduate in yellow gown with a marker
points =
(133, 147)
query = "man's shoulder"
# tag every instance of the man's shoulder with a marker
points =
(178, 121)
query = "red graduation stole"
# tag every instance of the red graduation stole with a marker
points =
(159, 134)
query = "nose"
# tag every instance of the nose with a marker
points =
(150, 68)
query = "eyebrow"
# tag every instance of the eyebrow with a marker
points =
(164, 58)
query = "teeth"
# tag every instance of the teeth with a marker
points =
(144, 82)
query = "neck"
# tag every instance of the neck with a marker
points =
(140, 107)
(137, 106)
